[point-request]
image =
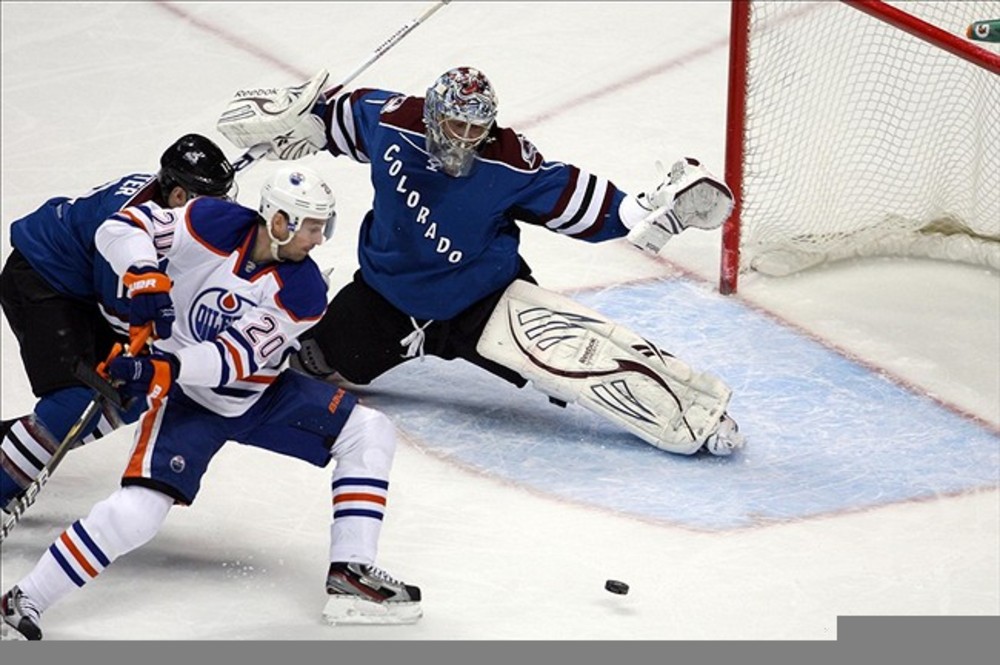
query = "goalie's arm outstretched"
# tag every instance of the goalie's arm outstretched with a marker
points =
(301, 120)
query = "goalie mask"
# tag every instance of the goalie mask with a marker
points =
(300, 193)
(198, 166)
(459, 111)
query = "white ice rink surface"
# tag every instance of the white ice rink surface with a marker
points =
(92, 91)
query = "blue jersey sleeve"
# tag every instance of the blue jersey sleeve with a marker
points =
(220, 225)
(303, 290)
(57, 239)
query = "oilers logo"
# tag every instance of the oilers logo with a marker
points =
(213, 310)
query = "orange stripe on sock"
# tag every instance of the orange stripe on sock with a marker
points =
(359, 496)
(78, 555)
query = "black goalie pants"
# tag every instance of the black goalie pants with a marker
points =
(360, 333)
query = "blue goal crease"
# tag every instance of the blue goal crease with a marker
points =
(825, 434)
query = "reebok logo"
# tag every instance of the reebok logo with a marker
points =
(588, 353)
(255, 92)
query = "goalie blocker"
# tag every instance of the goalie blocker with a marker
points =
(575, 354)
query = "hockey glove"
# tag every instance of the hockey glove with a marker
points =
(306, 138)
(280, 117)
(689, 196)
(149, 378)
(149, 296)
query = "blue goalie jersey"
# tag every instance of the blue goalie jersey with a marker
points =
(432, 244)
(57, 240)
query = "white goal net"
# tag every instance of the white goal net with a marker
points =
(862, 139)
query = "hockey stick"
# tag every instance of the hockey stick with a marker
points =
(101, 392)
(255, 153)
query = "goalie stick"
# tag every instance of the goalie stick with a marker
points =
(96, 379)
(255, 153)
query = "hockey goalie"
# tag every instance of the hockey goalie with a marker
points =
(440, 269)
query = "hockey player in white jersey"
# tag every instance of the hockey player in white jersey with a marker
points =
(64, 303)
(244, 290)
(440, 271)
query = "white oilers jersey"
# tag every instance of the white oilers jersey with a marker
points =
(236, 321)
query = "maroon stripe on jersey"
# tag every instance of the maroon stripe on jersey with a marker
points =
(146, 194)
(407, 114)
(507, 146)
(598, 224)
(16, 473)
(23, 449)
(40, 434)
(564, 198)
(350, 135)
(588, 196)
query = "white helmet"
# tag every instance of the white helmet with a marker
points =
(300, 193)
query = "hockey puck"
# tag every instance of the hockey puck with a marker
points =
(615, 586)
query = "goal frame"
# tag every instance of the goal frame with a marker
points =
(739, 46)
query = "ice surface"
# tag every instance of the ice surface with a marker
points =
(870, 390)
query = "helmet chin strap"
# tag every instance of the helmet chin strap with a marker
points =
(275, 243)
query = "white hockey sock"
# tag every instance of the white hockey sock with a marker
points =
(46, 584)
(363, 452)
(127, 519)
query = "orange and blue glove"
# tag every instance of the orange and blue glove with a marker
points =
(150, 302)
(149, 378)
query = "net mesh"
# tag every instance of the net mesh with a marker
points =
(862, 139)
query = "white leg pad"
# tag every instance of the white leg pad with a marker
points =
(576, 354)
(353, 610)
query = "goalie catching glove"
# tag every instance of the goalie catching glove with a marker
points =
(278, 117)
(688, 196)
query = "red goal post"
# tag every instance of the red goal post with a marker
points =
(860, 128)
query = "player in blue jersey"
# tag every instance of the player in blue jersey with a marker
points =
(245, 289)
(64, 302)
(440, 271)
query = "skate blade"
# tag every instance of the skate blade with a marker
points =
(352, 610)
(10, 634)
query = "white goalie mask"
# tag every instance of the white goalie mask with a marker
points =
(459, 111)
(300, 193)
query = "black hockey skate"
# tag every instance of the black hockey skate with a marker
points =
(366, 594)
(20, 616)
